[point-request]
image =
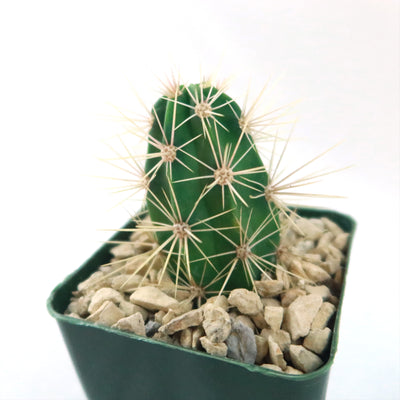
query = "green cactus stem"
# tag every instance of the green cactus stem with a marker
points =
(205, 172)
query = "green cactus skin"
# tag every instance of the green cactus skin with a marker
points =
(197, 127)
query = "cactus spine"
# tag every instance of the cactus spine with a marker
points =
(203, 196)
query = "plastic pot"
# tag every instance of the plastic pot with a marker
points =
(112, 364)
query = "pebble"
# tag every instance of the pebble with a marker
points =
(304, 359)
(128, 308)
(219, 301)
(185, 339)
(323, 316)
(128, 282)
(290, 295)
(341, 240)
(191, 318)
(123, 250)
(269, 288)
(242, 343)
(273, 316)
(246, 302)
(94, 282)
(301, 313)
(281, 337)
(310, 229)
(272, 366)
(315, 273)
(103, 295)
(318, 340)
(331, 265)
(319, 290)
(134, 323)
(217, 323)
(270, 301)
(262, 348)
(107, 314)
(151, 327)
(275, 354)
(332, 226)
(215, 349)
(293, 371)
(283, 276)
(245, 320)
(152, 298)
(197, 333)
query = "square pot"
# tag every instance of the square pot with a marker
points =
(113, 364)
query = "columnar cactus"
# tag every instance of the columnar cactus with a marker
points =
(204, 177)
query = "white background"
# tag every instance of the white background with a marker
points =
(62, 62)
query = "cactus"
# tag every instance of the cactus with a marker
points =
(203, 178)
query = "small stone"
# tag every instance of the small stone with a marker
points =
(283, 276)
(313, 258)
(246, 302)
(191, 318)
(219, 301)
(123, 250)
(275, 354)
(215, 349)
(281, 337)
(162, 337)
(269, 288)
(301, 313)
(186, 338)
(334, 252)
(158, 316)
(304, 359)
(94, 282)
(310, 230)
(151, 328)
(333, 300)
(341, 240)
(152, 298)
(331, 265)
(102, 295)
(217, 323)
(183, 307)
(197, 333)
(290, 295)
(304, 246)
(293, 371)
(245, 320)
(169, 316)
(129, 309)
(134, 323)
(323, 316)
(259, 321)
(296, 268)
(271, 366)
(242, 343)
(332, 226)
(324, 241)
(315, 273)
(262, 348)
(270, 302)
(319, 290)
(80, 306)
(273, 316)
(107, 314)
(74, 315)
(127, 282)
(317, 340)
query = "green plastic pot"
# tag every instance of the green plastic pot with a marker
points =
(112, 364)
